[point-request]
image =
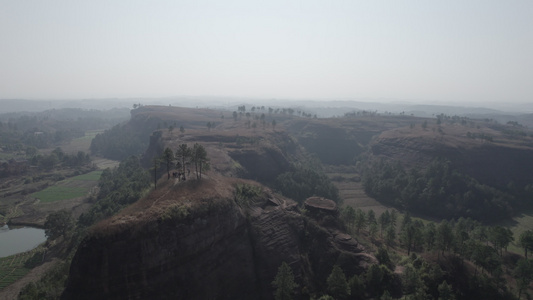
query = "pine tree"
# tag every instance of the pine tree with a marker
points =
(357, 287)
(429, 235)
(360, 220)
(337, 284)
(445, 291)
(168, 157)
(349, 216)
(390, 235)
(523, 274)
(373, 230)
(371, 217)
(393, 218)
(384, 221)
(184, 153)
(200, 160)
(444, 238)
(284, 283)
(526, 241)
(156, 162)
(386, 296)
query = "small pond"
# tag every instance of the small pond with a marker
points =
(14, 240)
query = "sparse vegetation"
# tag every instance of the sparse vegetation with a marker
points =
(246, 194)
(50, 286)
(176, 212)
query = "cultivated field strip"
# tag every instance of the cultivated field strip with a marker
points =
(12, 267)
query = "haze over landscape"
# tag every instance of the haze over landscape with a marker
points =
(452, 52)
(304, 150)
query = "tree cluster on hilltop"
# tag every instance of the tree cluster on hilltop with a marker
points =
(182, 159)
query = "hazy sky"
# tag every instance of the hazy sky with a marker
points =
(413, 50)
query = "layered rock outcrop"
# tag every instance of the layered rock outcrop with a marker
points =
(492, 163)
(321, 204)
(207, 246)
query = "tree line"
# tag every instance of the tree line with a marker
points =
(438, 191)
(57, 158)
(18, 131)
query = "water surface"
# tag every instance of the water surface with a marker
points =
(16, 240)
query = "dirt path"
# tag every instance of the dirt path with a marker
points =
(176, 181)
(12, 291)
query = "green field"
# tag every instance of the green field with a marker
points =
(92, 176)
(89, 135)
(12, 267)
(58, 193)
(68, 189)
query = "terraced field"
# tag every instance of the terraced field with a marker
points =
(11, 212)
(352, 192)
(12, 268)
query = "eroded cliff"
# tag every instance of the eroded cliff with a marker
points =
(203, 240)
(496, 162)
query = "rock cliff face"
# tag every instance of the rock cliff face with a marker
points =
(206, 247)
(262, 164)
(332, 143)
(495, 164)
